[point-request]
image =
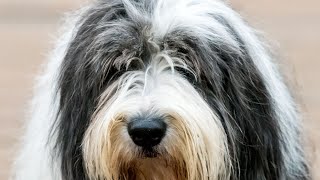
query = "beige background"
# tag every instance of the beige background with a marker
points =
(27, 26)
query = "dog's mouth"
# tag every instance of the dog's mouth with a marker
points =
(148, 153)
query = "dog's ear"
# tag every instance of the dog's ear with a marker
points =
(85, 71)
(248, 110)
(258, 107)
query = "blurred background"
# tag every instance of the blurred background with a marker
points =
(27, 28)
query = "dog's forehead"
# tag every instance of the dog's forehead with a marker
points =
(116, 28)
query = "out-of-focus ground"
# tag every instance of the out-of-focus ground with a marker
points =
(27, 26)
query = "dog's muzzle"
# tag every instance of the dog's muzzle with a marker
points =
(147, 132)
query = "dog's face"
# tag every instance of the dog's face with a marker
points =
(163, 90)
(153, 112)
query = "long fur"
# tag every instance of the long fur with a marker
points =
(194, 63)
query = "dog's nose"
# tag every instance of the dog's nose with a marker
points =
(147, 133)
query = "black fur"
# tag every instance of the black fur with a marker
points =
(81, 83)
(227, 79)
(237, 93)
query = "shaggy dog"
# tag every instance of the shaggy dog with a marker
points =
(161, 90)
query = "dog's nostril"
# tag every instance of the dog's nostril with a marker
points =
(147, 133)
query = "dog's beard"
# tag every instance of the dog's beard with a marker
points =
(194, 146)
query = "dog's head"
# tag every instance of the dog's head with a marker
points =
(159, 89)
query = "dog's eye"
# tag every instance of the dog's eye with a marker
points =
(135, 65)
(186, 73)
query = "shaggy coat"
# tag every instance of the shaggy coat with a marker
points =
(193, 63)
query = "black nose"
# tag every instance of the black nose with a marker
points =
(147, 133)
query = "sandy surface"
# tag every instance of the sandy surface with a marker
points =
(26, 30)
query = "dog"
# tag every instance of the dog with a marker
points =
(161, 90)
